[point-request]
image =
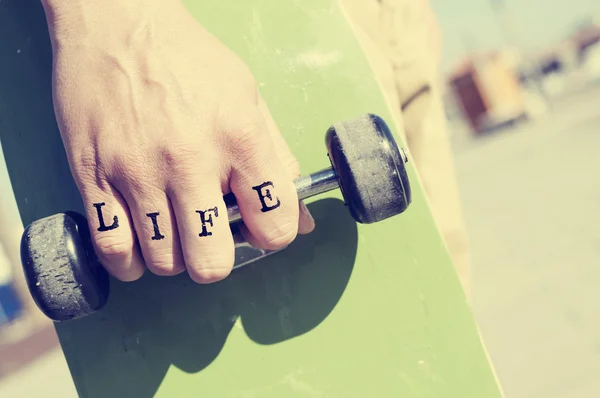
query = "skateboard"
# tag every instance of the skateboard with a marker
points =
(367, 305)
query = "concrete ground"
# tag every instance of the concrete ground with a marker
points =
(532, 206)
(46, 377)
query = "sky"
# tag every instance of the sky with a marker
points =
(472, 23)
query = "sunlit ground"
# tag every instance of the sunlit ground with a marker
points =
(532, 206)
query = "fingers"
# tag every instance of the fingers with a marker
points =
(263, 187)
(204, 231)
(111, 230)
(179, 221)
(156, 228)
(306, 223)
(179, 214)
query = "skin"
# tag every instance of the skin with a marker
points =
(157, 115)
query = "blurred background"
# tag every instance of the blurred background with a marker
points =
(523, 103)
(522, 97)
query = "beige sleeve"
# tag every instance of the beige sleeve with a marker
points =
(403, 40)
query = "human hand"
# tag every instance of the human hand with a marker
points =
(160, 121)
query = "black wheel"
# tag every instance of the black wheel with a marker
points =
(370, 168)
(63, 274)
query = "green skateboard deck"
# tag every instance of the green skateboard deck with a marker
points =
(348, 311)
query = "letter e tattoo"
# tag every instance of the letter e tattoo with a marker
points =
(265, 193)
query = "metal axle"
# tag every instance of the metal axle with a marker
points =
(307, 186)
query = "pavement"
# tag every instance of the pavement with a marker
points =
(532, 204)
(46, 377)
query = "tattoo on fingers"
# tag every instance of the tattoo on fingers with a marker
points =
(267, 200)
(103, 226)
(207, 218)
(264, 193)
(157, 234)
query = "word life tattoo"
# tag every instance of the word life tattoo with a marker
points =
(207, 218)
(264, 193)
(268, 202)
(103, 227)
(157, 234)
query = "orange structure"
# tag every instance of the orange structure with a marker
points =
(488, 91)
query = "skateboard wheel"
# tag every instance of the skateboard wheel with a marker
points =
(370, 168)
(63, 274)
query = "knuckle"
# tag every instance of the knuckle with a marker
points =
(181, 156)
(204, 276)
(133, 171)
(210, 269)
(88, 158)
(129, 274)
(127, 162)
(246, 140)
(186, 164)
(112, 248)
(281, 235)
(87, 165)
(164, 266)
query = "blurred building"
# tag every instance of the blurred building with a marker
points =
(486, 90)
(572, 63)
(586, 37)
(586, 44)
(504, 87)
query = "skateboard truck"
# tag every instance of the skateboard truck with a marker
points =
(67, 281)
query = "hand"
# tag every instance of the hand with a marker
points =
(160, 121)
